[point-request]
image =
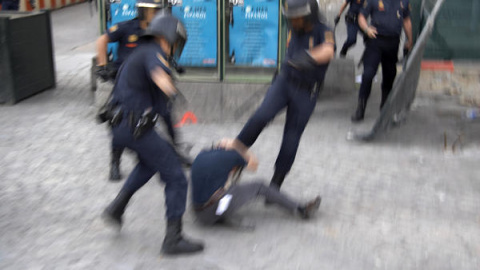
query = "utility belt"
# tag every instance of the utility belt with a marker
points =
(139, 122)
(383, 37)
(351, 17)
(216, 196)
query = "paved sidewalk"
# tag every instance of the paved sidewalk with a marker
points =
(402, 202)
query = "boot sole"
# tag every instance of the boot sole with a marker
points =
(110, 221)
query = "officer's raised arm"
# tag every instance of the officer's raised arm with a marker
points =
(324, 52)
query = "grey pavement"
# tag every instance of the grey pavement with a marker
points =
(404, 201)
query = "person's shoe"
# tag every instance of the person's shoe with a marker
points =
(174, 243)
(115, 175)
(112, 215)
(306, 211)
(276, 182)
(360, 112)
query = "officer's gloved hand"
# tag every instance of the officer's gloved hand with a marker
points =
(337, 19)
(302, 61)
(102, 73)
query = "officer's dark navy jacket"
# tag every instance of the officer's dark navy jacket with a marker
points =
(387, 16)
(355, 6)
(127, 35)
(210, 171)
(135, 90)
(306, 41)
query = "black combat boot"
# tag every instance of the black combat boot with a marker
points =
(276, 182)
(115, 165)
(277, 179)
(360, 112)
(174, 243)
(114, 212)
(306, 211)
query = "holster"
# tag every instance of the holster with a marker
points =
(110, 113)
(143, 124)
(351, 17)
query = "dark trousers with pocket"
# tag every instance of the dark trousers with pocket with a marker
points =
(300, 103)
(241, 195)
(154, 155)
(381, 50)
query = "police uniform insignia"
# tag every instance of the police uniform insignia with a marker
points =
(113, 28)
(132, 38)
(381, 7)
(162, 59)
(329, 37)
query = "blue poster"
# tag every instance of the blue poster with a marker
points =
(200, 19)
(253, 31)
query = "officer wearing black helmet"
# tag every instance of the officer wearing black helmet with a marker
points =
(127, 34)
(141, 93)
(310, 47)
(388, 17)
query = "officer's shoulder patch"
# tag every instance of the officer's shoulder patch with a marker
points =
(329, 37)
(162, 59)
(132, 38)
(113, 28)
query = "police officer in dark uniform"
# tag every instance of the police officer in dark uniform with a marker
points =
(128, 35)
(140, 94)
(216, 195)
(387, 19)
(351, 19)
(309, 50)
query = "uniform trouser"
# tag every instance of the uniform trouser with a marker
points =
(154, 155)
(352, 31)
(300, 104)
(241, 195)
(380, 50)
(167, 118)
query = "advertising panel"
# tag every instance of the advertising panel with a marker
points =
(200, 19)
(253, 33)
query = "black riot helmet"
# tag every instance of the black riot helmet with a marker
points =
(307, 9)
(167, 26)
(143, 5)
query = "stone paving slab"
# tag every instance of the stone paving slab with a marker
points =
(403, 202)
